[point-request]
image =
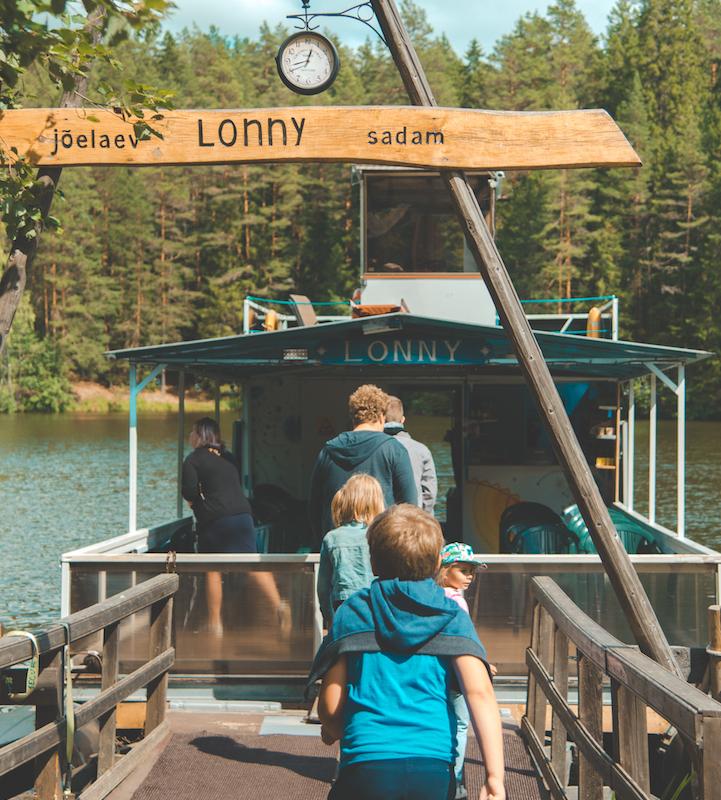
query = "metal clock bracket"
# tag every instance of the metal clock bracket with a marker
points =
(363, 12)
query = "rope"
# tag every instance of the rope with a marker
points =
(31, 677)
(69, 712)
(299, 303)
(571, 299)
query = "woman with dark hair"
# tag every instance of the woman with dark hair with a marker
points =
(211, 485)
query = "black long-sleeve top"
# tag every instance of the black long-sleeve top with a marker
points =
(211, 484)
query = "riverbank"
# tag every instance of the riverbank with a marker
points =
(94, 398)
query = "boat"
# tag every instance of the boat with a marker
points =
(423, 326)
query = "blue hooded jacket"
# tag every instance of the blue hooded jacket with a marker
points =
(371, 452)
(395, 616)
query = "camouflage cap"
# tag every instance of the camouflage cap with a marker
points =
(456, 552)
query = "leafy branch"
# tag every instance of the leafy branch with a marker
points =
(65, 45)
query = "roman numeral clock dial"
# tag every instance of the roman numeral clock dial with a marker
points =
(307, 62)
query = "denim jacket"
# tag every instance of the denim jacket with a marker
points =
(345, 566)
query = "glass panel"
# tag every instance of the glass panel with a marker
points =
(411, 225)
(255, 641)
(501, 605)
(252, 638)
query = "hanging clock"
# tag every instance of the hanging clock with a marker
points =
(307, 62)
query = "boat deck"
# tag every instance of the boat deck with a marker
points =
(217, 755)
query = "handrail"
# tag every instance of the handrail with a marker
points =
(637, 683)
(47, 742)
(15, 649)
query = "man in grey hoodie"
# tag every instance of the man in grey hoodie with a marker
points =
(364, 449)
(424, 469)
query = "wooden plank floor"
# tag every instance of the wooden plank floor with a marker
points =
(223, 757)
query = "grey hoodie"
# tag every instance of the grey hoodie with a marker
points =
(424, 469)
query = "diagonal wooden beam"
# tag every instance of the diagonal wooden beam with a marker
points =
(24, 248)
(624, 579)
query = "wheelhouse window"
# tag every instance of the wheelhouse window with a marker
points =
(411, 225)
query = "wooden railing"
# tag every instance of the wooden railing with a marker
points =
(637, 683)
(46, 746)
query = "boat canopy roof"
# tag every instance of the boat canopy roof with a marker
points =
(409, 342)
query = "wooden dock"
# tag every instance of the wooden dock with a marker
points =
(211, 755)
(560, 749)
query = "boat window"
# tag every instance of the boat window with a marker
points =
(503, 425)
(411, 225)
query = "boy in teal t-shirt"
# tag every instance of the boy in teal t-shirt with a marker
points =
(394, 652)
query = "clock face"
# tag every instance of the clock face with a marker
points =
(307, 62)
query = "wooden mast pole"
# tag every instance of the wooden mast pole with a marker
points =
(624, 579)
(24, 248)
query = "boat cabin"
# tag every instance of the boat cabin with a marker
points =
(423, 327)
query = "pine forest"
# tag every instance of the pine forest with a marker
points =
(154, 255)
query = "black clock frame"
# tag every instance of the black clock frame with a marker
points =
(329, 80)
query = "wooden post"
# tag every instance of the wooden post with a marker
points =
(558, 732)
(590, 712)
(630, 734)
(531, 686)
(545, 656)
(710, 772)
(23, 248)
(632, 598)
(160, 629)
(714, 648)
(106, 747)
(48, 776)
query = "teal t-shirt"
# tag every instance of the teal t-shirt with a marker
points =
(398, 707)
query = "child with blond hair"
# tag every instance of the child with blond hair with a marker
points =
(345, 565)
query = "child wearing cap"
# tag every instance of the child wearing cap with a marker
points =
(458, 568)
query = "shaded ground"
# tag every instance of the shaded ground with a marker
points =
(224, 757)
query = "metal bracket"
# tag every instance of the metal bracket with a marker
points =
(662, 376)
(363, 12)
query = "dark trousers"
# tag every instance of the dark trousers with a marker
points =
(395, 779)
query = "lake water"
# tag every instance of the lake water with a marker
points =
(64, 483)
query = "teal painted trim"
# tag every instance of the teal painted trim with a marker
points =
(571, 299)
(136, 388)
(133, 404)
(293, 303)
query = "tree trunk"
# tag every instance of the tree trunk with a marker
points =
(23, 249)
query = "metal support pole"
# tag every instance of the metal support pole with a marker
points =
(181, 438)
(246, 315)
(631, 443)
(652, 419)
(217, 403)
(135, 389)
(624, 579)
(681, 452)
(614, 318)
(247, 477)
(133, 452)
(624, 461)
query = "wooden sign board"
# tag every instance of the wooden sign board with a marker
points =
(448, 138)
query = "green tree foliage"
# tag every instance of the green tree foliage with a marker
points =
(34, 376)
(156, 255)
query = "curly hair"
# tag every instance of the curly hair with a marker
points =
(367, 404)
